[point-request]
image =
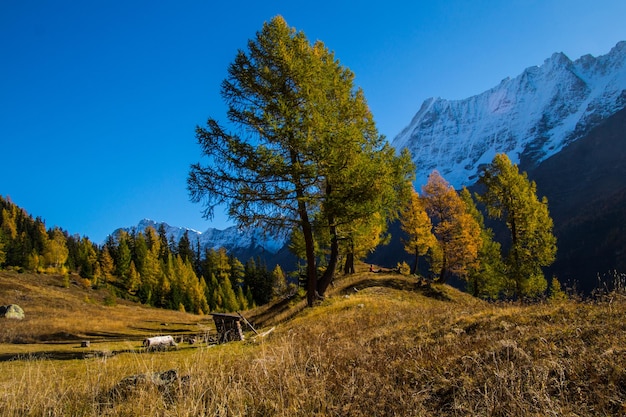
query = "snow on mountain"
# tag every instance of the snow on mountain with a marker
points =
(530, 117)
(229, 238)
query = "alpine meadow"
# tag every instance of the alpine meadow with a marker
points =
(389, 299)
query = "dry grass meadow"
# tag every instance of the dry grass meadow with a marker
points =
(380, 345)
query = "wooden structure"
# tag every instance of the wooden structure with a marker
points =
(228, 327)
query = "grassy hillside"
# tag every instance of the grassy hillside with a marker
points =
(381, 344)
(62, 309)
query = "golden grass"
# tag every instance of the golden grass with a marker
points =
(55, 313)
(391, 348)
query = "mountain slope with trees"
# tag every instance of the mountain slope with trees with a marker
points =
(141, 266)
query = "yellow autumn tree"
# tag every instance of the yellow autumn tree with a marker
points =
(55, 250)
(415, 222)
(457, 232)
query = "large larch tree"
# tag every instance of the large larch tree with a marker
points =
(304, 143)
(510, 196)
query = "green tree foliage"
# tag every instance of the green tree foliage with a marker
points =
(164, 249)
(3, 242)
(279, 287)
(259, 281)
(457, 232)
(83, 257)
(237, 272)
(556, 293)
(419, 229)
(133, 280)
(308, 142)
(360, 237)
(487, 278)
(140, 250)
(511, 197)
(184, 249)
(123, 256)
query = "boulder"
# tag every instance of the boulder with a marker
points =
(168, 383)
(12, 311)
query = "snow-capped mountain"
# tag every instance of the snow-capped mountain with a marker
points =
(231, 238)
(530, 117)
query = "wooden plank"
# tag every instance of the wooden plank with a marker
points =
(248, 323)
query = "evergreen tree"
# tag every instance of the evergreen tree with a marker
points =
(229, 298)
(249, 298)
(241, 299)
(487, 278)
(556, 292)
(133, 281)
(164, 248)
(140, 250)
(124, 256)
(88, 255)
(259, 281)
(3, 242)
(36, 237)
(153, 241)
(279, 287)
(310, 141)
(212, 295)
(237, 272)
(203, 289)
(511, 197)
(154, 281)
(185, 250)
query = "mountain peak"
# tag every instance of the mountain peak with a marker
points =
(558, 59)
(529, 117)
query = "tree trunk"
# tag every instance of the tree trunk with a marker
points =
(515, 253)
(329, 274)
(417, 257)
(311, 270)
(444, 272)
(349, 265)
(307, 233)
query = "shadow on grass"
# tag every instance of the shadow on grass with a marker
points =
(280, 311)
(62, 355)
(79, 353)
(398, 283)
(289, 307)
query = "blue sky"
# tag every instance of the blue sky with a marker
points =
(99, 99)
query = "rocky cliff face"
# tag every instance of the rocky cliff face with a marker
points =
(530, 117)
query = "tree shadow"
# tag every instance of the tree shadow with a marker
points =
(402, 284)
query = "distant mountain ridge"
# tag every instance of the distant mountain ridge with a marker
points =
(530, 117)
(231, 238)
